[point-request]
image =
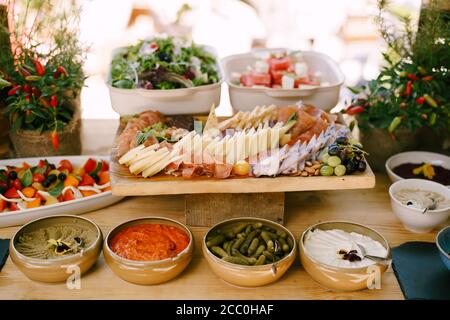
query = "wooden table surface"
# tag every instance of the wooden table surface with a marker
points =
(370, 207)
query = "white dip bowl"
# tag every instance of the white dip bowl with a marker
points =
(412, 218)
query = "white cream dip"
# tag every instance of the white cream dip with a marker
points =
(324, 246)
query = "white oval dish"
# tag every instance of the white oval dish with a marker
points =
(73, 207)
(414, 157)
(169, 102)
(412, 218)
(323, 97)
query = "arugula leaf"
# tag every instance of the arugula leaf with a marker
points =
(57, 189)
(98, 168)
(26, 177)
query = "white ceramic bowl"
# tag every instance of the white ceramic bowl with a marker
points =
(414, 219)
(323, 97)
(415, 157)
(169, 102)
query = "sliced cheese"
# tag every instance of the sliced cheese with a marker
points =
(145, 153)
(140, 166)
(130, 155)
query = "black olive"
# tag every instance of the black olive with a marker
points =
(52, 166)
(409, 203)
(62, 176)
(12, 175)
(95, 177)
(362, 166)
(52, 177)
(351, 166)
(342, 140)
(46, 183)
(333, 150)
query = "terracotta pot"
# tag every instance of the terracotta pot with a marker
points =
(380, 145)
(29, 143)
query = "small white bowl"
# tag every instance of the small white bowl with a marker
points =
(414, 157)
(412, 218)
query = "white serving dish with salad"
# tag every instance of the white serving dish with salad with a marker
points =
(281, 77)
(169, 75)
(78, 205)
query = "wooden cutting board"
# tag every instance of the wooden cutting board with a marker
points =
(126, 184)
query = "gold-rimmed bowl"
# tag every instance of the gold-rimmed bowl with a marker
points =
(148, 272)
(58, 269)
(249, 276)
(344, 279)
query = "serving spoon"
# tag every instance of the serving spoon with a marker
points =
(364, 254)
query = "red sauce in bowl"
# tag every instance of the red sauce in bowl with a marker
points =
(149, 242)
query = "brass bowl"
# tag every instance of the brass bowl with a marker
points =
(249, 276)
(56, 270)
(344, 279)
(148, 272)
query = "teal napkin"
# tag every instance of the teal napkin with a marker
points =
(420, 271)
(4, 251)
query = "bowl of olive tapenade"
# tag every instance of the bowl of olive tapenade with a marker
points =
(54, 248)
(249, 252)
(419, 165)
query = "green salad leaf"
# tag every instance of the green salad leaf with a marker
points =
(163, 63)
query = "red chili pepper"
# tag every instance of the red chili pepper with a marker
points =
(40, 70)
(355, 110)
(412, 76)
(55, 141)
(427, 78)
(23, 71)
(53, 101)
(420, 100)
(27, 88)
(408, 89)
(59, 71)
(36, 92)
(14, 90)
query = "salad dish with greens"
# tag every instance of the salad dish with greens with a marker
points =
(163, 63)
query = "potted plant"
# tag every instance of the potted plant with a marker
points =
(408, 105)
(42, 76)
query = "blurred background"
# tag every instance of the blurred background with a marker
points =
(344, 30)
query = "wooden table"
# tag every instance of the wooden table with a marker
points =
(369, 207)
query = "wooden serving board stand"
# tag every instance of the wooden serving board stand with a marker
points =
(209, 201)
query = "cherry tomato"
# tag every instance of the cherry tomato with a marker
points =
(13, 206)
(90, 165)
(17, 184)
(87, 180)
(262, 79)
(65, 164)
(68, 195)
(241, 168)
(38, 177)
(105, 166)
(42, 164)
(279, 63)
(3, 204)
(12, 193)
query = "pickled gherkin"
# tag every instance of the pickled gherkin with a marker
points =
(249, 243)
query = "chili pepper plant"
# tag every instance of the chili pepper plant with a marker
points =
(43, 68)
(412, 89)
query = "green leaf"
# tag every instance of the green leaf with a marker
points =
(57, 189)
(98, 168)
(26, 177)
